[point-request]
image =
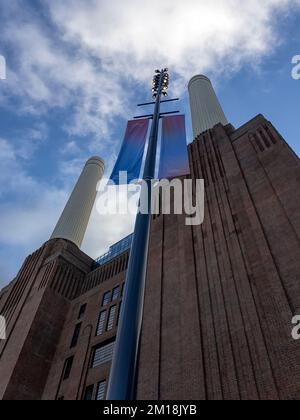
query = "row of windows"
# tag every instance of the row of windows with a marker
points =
(116, 250)
(100, 393)
(101, 354)
(89, 392)
(106, 323)
(112, 296)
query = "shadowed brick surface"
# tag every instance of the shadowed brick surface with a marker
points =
(219, 297)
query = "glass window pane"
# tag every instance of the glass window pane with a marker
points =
(111, 318)
(101, 391)
(101, 323)
(115, 293)
(88, 395)
(106, 299)
(75, 336)
(103, 354)
(67, 368)
(82, 311)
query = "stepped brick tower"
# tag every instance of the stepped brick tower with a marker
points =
(220, 297)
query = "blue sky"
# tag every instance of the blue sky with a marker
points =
(76, 69)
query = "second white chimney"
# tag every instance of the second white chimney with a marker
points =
(75, 217)
(205, 106)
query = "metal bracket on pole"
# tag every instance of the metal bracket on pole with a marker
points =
(168, 113)
(150, 116)
(160, 115)
(163, 101)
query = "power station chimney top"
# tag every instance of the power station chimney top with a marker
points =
(205, 107)
(198, 77)
(96, 160)
(75, 217)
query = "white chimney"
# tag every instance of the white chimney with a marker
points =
(205, 106)
(75, 217)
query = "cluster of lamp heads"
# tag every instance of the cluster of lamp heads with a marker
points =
(160, 82)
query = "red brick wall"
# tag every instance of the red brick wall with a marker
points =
(35, 310)
(220, 297)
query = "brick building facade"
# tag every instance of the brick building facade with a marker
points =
(219, 299)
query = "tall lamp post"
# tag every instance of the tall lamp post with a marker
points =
(122, 382)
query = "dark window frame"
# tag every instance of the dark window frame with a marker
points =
(82, 311)
(90, 389)
(105, 302)
(67, 368)
(76, 335)
(98, 347)
(103, 391)
(111, 321)
(113, 297)
(103, 323)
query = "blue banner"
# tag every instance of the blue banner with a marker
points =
(174, 161)
(132, 151)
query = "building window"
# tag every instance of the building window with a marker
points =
(67, 368)
(82, 311)
(101, 389)
(106, 299)
(103, 354)
(88, 393)
(101, 323)
(115, 294)
(111, 318)
(75, 336)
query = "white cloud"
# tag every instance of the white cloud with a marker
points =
(47, 74)
(105, 230)
(188, 36)
(97, 50)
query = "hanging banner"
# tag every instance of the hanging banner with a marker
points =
(174, 161)
(132, 151)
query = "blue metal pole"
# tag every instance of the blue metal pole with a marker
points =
(122, 380)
